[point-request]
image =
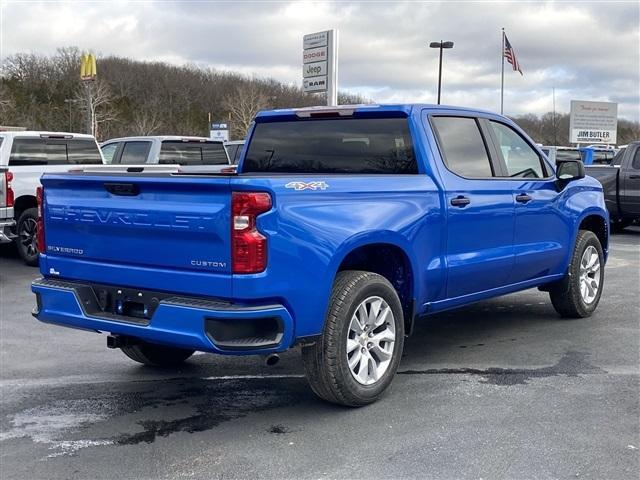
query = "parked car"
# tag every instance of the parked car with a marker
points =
(6, 206)
(166, 150)
(621, 183)
(234, 150)
(30, 154)
(343, 226)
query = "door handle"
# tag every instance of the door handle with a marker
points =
(460, 201)
(523, 198)
(634, 176)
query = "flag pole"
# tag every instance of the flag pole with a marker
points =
(502, 77)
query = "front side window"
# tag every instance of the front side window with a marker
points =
(636, 160)
(617, 159)
(520, 158)
(108, 151)
(135, 153)
(463, 147)
(346, 145)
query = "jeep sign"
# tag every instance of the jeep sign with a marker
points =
(593, 122)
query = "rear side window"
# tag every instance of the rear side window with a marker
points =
(462, 146)
(351, 145)
(193, 153)
(44, 151)
(83, 152)
(135, 153)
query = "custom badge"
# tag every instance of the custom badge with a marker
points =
(307, 185)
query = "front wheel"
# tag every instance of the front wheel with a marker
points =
(360, 349)
(578, 295)
(156, 355)
(26, 230)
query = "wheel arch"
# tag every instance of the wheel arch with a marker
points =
(388, 256)
(597, 223)
(23, 203)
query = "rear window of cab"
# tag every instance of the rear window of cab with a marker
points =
(49, 151)
(352, 145)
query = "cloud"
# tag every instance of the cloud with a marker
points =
(586, 50)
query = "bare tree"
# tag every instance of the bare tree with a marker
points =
(242, 105)
(146, 121)
(97, 100)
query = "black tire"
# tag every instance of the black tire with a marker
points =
(325, 361)
(565, 295)
(26, 229)
(156, 355)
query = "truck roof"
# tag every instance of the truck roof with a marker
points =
(37, 134)
(163, 138)
(347, 110)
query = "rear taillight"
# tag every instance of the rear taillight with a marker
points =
(9, 199)
(248, 245)
(40, 222)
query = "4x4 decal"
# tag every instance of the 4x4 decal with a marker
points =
(307, 185)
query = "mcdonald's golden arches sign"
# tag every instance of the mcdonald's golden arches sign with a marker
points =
(88, 67)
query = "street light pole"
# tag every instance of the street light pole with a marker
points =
(441, 45)
(69, 101)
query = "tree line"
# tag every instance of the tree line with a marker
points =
(132, 97)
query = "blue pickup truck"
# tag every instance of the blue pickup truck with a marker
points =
(342, 226)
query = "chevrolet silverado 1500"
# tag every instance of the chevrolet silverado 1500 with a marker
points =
(341, 228)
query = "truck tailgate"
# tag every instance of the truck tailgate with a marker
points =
(176, 226)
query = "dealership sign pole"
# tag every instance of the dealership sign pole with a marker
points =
(593, 122)
(320, 64)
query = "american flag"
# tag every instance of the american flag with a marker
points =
(510, 55)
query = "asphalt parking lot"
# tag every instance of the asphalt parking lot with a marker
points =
(501, 389)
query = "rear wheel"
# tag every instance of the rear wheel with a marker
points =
(156, 355)
(360, 349)
(578, 295)
(26, 231)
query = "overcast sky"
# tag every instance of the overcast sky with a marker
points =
(586, 50)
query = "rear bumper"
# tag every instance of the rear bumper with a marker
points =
(208, 325)
(6, 226)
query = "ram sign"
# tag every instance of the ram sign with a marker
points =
(593, 122)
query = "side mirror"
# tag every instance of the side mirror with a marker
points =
(568, 171)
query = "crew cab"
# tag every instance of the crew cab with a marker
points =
(166, 150)
(621, 183)
(27, 155)
(342, 226)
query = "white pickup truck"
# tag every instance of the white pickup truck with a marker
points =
(193, 152)
(27, 155)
